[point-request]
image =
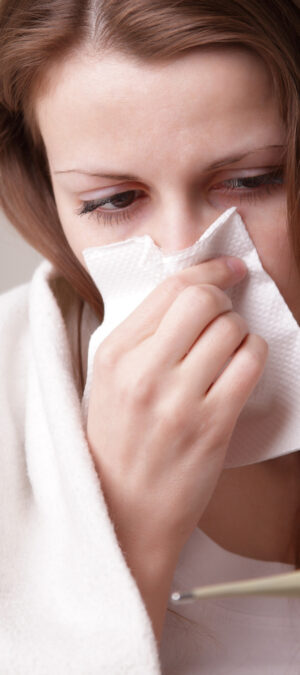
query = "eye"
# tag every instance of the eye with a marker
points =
(123, 206)
(120, 206)
(251, 187)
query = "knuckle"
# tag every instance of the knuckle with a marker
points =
(234, 326)
(206, 296)
(196, 295)
(106, 355)
(140, 389)
(174, 420)
(214, 298)
(253, 365)
(176, 413)
(261, 343)
(221, 272)
(215, 428)
(256, 350)
(175, 285)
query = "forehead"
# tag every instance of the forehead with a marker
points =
(119, 104)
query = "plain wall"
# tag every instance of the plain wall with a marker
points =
(18, 260)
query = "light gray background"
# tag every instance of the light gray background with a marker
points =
(18, 260)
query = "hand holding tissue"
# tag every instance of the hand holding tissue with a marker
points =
(127, 271)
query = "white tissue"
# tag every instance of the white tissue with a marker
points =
(127, 271)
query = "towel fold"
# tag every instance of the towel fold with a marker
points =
(69, 604)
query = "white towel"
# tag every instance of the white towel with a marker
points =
(69, 604)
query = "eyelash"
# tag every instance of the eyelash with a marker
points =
(259, 186)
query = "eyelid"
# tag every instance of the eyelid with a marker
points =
(223, 174)
(110, 191)
(247, 173)
(251, 195)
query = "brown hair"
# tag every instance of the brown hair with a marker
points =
(35, 34)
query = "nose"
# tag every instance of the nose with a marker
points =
(178, 227)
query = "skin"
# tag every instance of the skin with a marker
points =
(165, 124)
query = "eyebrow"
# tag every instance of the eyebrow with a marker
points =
(230, 159)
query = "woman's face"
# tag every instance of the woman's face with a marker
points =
(164, 149)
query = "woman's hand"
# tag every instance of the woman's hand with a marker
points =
(161, 414)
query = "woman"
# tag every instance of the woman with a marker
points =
(122, 119)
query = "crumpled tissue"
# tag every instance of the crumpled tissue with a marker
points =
(127, 271)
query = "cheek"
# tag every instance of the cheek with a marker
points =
(267, 227)
(74, 228)
(268, 230)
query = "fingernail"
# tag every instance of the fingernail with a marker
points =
(237, 266)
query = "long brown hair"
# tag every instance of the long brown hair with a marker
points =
(37, 33)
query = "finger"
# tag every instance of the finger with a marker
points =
(145, 319)
(231, 390)
(223, 272)
(185, 321)
(211, 351)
